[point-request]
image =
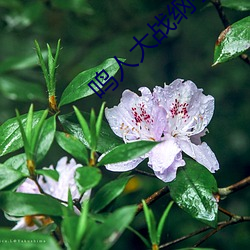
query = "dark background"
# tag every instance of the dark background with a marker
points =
(92, 31)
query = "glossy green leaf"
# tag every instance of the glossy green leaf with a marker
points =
(99, 121)
(232, 41)
(105, 235)
(78, 88)
(127, 152)
(20, 204)
(151, 223)
(92, 127)
(16, 240)
(69, 230)
(87, 177)
(74, 228)
(53, 174)
(143, 239)
(8, 176)
(46, 138)
(107, 139)
(242, 5)
(10, 136)
(19, 90)
(193, 191)
(43, 128)
(108, 193)
(18, 162)
(73, 146)
(162, 221)
(84, 125)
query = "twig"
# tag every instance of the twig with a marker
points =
(223, 192)
(235, 220)
(224, 211)
(226, 23)
(42, 192)
(204, 229)
(144, 173)
(152, 198)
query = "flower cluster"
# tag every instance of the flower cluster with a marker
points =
(58, 189)
(177, 115)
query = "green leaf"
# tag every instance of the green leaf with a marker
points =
(42, 64)
(99, 121)
(74, 228)
(46, 138)
(78, 88)
(87, 177)
(106, 234)
(73, 146)
(69, 230)
(127, 152)
(242, 5)
(232, 41)
(19, 90)
(37, 132)
(70, 201)
(20, 204)
(143, 239)
(107, 139)
(193, 191)
(92, 127)
(18, 162)
(10, 136)
(8, 176)
(84, 125)
(82, 223)
(151, 223)
(16, 240)
(162, 221)
(53, 174)
(19, 63)
(108, 193)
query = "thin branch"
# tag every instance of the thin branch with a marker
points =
(226, 23)
(223, 192)
(224, 211)
(152, 198)
(222, 15)
(144, 173)
(235, 220)
(42, 192)
(204, 229)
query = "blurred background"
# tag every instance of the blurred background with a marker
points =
(92, 31)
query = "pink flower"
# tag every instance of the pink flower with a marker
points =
(58, 189)
(177, 115)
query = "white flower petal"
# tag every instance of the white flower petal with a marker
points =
(29, 187)
(21, 225)
(59, 189)
(165, 158)
(201, 153)
(124, 166)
